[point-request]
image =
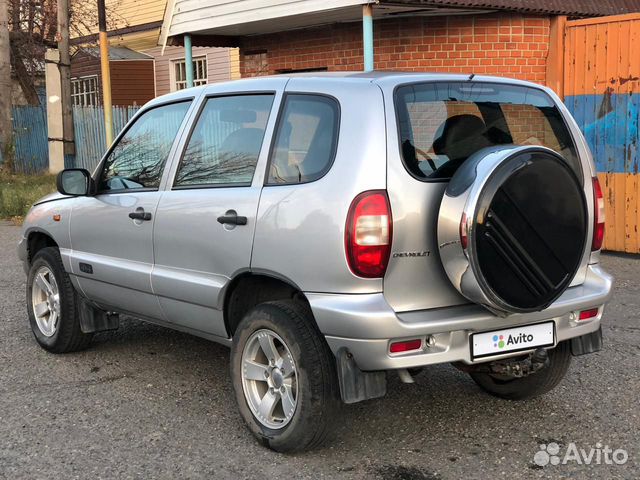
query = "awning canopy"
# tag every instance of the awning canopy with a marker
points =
(212, 23)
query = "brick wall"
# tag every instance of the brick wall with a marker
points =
(512, 45)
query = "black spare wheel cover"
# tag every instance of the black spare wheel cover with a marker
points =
(529, 229)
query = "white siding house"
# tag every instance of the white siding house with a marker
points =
(240, 17)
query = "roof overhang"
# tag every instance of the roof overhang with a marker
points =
(227, 32)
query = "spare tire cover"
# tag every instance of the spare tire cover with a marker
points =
(524, 214)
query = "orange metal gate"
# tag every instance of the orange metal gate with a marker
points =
(602, 90)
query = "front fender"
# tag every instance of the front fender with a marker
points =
(52, 219)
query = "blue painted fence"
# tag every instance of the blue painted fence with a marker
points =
(31, 138)
(610, 125)
(88, 123)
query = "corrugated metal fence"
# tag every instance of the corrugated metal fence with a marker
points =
(602, 90)
(88, 123)
(31, 139)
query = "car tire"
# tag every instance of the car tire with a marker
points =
(533, 385)
(49, 288)
(306, 361)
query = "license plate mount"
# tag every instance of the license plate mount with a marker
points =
(513, 339)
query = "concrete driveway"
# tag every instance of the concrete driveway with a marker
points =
(146, 402)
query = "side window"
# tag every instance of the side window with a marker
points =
(306, 139)
(138, 159)
(225, 143)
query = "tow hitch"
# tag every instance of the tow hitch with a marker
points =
(512, 367)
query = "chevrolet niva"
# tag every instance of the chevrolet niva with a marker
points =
(332, 228)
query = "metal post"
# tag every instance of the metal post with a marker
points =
(367, 36)
(188, 60)
(106, 73)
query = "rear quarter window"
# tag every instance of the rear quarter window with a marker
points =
(442, 124)
(306, 139)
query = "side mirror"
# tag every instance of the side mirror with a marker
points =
(76, 182)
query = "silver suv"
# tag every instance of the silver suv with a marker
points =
(332, 229)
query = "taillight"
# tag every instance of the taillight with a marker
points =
(598, 216)
(368, 234)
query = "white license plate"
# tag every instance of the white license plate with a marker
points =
(513, 339)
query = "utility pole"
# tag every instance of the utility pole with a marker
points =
(6, 126)
(106, 73)
(64, 66)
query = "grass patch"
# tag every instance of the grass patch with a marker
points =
(19, 192)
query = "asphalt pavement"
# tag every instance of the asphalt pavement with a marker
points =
(147, 402)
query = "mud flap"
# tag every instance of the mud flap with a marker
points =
(589, 343)
(93, 319)
(356, 385)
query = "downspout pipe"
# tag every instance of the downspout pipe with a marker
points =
(188, 59)
(367, 36)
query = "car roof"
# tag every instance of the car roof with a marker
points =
(381, 78)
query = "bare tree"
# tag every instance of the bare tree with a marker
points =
(33, 27)
(6, 127)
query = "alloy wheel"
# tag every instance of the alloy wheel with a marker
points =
(269, 379)
(45, 300)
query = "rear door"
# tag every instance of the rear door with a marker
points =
(112, 253)
(206, 220)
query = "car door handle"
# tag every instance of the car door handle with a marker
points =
(140, 214)
(232, 218)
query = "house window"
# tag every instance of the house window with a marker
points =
(84, 91)
(180, 73)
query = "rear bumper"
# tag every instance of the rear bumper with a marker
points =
(366, 324)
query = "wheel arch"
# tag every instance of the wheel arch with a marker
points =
(36, 241)
(249, 289)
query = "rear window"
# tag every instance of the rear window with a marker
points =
(442, 124)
